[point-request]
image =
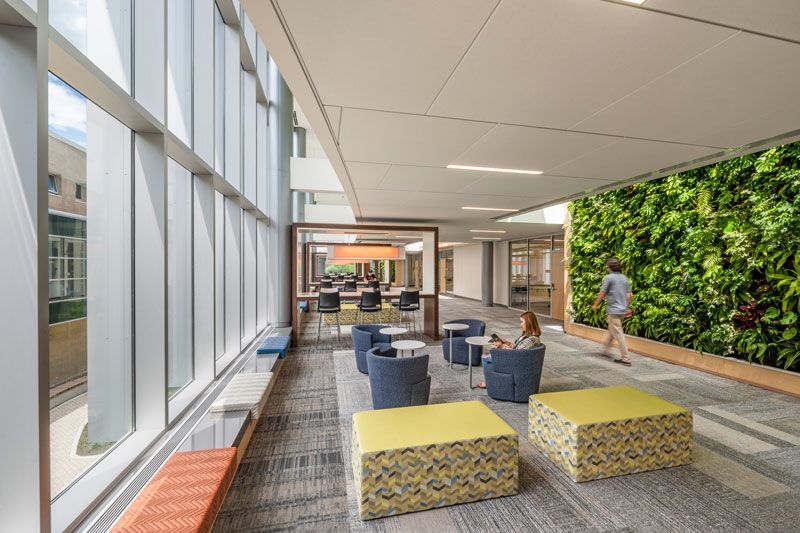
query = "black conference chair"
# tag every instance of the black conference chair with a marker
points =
(326, 284)
(408, 306)
(374, 284)
(370, 303)
(350, 285)
(329, 303)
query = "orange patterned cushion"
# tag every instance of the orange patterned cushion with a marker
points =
(185, 495)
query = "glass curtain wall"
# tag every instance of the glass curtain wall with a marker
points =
(90, 255)
(115, 193)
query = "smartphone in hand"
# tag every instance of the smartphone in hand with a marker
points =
(495, 338)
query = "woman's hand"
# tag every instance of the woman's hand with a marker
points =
(498, 343)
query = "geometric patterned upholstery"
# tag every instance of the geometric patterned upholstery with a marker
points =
(417, 458)
(184, 496)
(611, 431)
(244, 392)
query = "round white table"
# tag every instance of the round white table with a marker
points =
(392, 331)
(477, 341)
(455, 326)
(400, 346)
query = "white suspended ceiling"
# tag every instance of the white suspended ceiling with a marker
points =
(592, 93)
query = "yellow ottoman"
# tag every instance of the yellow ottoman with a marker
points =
(417, 458)
(610, 431)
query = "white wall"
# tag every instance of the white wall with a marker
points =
(467, 271)
(501, 273)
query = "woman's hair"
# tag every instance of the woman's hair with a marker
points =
(531, 324)
(614, 264)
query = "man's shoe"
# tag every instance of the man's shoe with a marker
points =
(623, 362)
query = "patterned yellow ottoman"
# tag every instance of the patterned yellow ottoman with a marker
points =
(417, 458)
(610, 431)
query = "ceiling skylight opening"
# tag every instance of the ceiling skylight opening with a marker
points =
(490, 209)
(494, 169)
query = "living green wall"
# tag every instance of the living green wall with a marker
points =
(713, 255)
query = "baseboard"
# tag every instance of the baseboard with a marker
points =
(765, 377)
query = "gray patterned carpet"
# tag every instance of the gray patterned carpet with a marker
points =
(746, 475)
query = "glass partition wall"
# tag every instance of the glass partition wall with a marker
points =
(536, 276)
(446, 271)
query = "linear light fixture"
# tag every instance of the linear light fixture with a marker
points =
(406, 236)
(490, 209)
(487, 231)
(486, 238)
(494, 169)
(637, 2)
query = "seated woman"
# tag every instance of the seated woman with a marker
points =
(528, 339)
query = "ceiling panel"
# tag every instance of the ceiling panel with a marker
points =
(553, 63)
(773, 17)
(541, 188)
(366, 175)
(628, 158)
(746, 79)
(383, 55)
(380, 137)
(528, 148)
(427, 179)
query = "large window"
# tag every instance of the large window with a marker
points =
(90, 261)
(101, 29)
(179, 69)
(219, 91)
(219, 274)
(179, 278)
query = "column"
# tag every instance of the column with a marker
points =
(299, 197)
(280, 198)
(25, 489)
(487, 274)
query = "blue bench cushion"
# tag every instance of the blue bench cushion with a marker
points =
(275, 345)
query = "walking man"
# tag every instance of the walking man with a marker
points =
(616, 290)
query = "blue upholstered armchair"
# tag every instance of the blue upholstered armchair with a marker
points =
(366, 337)
(462, 350)
(513, 375)
(398, 382)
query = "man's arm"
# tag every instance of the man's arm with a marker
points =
(600, 296)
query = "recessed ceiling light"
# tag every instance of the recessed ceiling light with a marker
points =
(406, 236)
(487, 231)
(494, 169)
(490, 209)
(486, 238)
(637, 2)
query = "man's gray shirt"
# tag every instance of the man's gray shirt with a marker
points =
(616, 287)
